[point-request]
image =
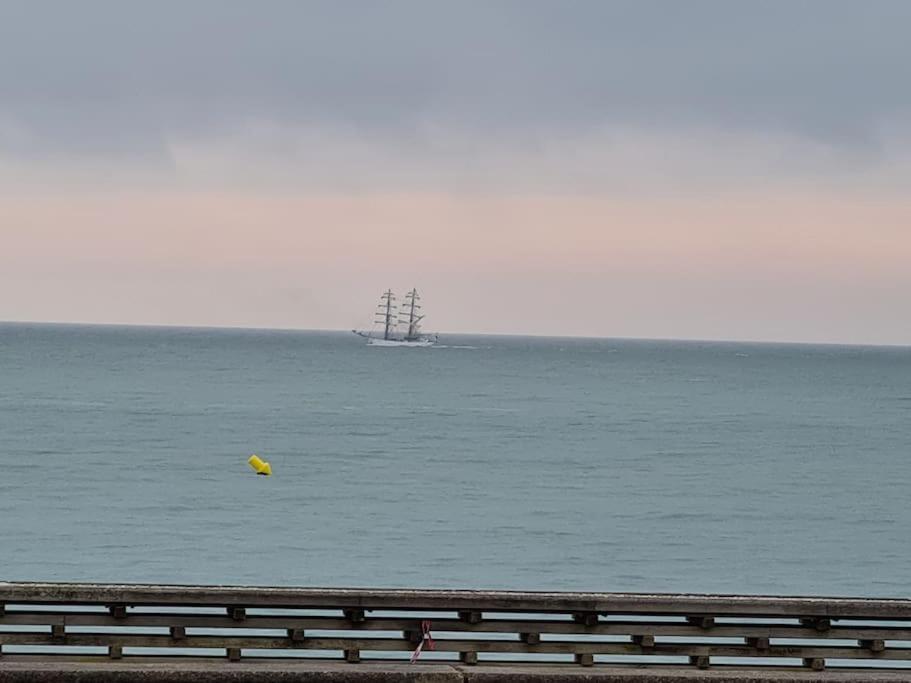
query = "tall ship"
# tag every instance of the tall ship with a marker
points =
(398, 324)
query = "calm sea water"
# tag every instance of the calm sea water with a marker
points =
(490, 462)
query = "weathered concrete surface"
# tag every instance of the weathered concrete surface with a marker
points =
(671, 674)
(38, 671)
(222, 672)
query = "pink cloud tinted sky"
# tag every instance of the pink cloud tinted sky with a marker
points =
(812, 267)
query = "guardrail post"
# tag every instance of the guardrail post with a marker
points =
(470, 616)
(701, 661)
(117, 611)
(644, 641)
(761, 643)
(815, 663)
(470, 658)
(355, 616)
(233, 654)
(178, 633)
(115, 652)
(585, 659)
(352, 656)
(873, 645)
(530, 638)
(58, 633)
(818, 623)
(586, 618)
(701, 622)
(296, 635)
(237, 613)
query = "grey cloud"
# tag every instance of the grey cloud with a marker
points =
(120, 78)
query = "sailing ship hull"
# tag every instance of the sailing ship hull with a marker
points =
(399, 342)
(379, 341)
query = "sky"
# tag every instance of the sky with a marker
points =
(709, 169)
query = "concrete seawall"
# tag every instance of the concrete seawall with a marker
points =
(120, 632)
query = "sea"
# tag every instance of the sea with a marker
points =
(484, 462)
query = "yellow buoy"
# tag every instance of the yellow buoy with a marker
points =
(259, 465)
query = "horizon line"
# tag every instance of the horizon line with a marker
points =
(241, 328)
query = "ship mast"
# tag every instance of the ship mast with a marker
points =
(411, 301)
(386, 312)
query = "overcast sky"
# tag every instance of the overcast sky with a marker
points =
(724, 169)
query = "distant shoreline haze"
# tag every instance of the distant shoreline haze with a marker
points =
(450, 334)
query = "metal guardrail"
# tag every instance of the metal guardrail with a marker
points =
(57, 620)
